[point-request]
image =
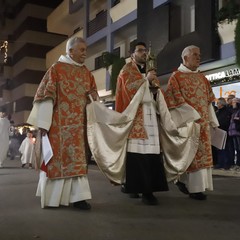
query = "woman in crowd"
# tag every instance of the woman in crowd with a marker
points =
(234, 129)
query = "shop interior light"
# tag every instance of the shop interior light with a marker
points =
(225, 80)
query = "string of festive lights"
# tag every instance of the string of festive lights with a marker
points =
(5, 47)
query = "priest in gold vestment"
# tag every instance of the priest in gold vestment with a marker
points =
(187, 86)
(144, 164)
(59, 111)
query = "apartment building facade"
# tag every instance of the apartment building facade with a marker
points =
(113, 25)
(28, 42)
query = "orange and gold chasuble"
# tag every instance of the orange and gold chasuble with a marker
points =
(195, 90)
(129, 81)
(67, 85)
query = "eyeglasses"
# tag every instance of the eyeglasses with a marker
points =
(142, 50)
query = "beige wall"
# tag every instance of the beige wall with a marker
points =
(40, 38)
(60, 21)
(100, 78)
(25, 90)
(122, 9)
(20, 117)
(53, 55)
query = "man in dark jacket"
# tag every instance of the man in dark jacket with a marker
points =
(230, 139)
(224, 116)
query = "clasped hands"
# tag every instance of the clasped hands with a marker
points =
(152, 78)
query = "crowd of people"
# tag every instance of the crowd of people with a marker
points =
(228, 114)
(156, 128)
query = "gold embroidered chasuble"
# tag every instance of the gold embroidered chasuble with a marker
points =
(67, 85)
(129, 81)
(195, 90)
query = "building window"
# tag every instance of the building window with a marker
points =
(116, 51)
(98, 62)
(182, 18)
(98, 23)
(132, 44)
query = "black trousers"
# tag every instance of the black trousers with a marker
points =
(145, 173)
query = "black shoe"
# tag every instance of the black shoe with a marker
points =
(134, 195)
(123, 189)
(198, 196)
(149, 199)
(23, 165)
(83, 205)
(182, 187)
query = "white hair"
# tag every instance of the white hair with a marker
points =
(72, 41)
(187, 50)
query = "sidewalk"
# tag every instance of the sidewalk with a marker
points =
(226, 173)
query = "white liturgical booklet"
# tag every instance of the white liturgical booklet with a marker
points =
(218, 137)
(46, 149)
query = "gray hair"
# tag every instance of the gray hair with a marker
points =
(72, 42)
(222, 101)
(187, 50)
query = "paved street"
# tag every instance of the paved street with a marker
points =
(113, 215)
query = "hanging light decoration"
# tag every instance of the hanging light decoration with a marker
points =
(5, 47)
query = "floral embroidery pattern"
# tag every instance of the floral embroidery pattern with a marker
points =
(194, 89)
(129, 81)
(67, 86)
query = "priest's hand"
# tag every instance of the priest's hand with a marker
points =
(152, 78)
(92, 95)
(43, 131)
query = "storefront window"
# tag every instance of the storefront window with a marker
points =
(225, 90)
(225, 81)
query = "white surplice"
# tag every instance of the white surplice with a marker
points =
(151, 145)
(27, 150)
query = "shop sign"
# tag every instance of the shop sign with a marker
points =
(223, 74)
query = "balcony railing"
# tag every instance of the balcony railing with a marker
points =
(97, 23)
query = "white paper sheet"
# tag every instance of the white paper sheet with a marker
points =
(46, 149)
(218, 137)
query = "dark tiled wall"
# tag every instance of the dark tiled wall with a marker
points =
(26, 76)
(30, 23)
(153, 25)
(31, 50)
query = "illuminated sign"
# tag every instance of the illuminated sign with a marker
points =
(225, 90)
(220, 75)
